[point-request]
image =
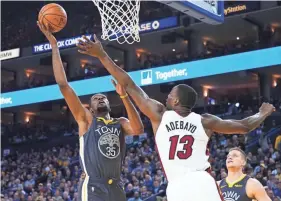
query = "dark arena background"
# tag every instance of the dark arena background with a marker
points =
(234, 67)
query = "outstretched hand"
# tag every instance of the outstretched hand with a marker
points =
(46, 31)
(119, 88)
(91, 48)
(267, 109)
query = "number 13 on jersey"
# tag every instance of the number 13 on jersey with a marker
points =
(186, 141)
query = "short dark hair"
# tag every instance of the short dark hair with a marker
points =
(241, 151)
(187, 96)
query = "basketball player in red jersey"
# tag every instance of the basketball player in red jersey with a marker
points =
(180, 134)
(237, 185)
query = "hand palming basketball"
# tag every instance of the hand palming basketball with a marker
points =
(46, 31)
(92, 48)
(53, 16)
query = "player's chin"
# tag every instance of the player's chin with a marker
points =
(103, 108)
(230, 165)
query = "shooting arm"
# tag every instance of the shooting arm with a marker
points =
(134, 125)
(72, 100)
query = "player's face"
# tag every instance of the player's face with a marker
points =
(235, 159)
(100, 103)
(172, 99)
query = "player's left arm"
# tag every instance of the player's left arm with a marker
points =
(219, 125)
(134, 125)
(243, 126)
(256, 191)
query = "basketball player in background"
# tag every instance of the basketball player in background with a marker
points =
(238, 186)
(181, 135)
(102, 138)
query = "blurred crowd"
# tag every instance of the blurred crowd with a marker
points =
(269, 38)
(53, 173)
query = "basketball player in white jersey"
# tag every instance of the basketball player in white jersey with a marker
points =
(180, 134)
(238, 186)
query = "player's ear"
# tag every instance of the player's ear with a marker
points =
(176, 101)
(91, 110)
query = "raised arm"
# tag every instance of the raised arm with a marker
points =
(254, 121)
(151, 108)
(79, 112)
(243, 126)
(134, 125)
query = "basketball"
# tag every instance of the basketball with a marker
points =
(53, 16)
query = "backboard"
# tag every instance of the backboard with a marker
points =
(211, 12)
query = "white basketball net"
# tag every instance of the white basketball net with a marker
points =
(120, 20)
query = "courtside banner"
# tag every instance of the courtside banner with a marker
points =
(9, 54)
(181, 71)
(62, 44)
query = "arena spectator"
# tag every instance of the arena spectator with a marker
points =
(51, 174)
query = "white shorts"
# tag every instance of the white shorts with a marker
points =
(194, 186)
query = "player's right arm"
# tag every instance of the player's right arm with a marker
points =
(150, 107)
(243, 126)
(80, 113)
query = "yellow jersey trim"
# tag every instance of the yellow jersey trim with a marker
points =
(230, 185)
(109, 121)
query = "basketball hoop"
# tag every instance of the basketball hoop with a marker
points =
(120, 20)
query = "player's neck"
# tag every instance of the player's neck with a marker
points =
(182, 111)
(234, 175)
(104, 115)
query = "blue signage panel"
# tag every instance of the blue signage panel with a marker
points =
(156, 25)
(145, 27)
(62, 44)
(182, 71)
(212, 10)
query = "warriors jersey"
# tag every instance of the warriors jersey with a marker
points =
(102, 149)
(235, 191)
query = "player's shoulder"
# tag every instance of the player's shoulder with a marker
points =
(253, 185)
(253, 181)
(208, 119)
(208, 116)
(121, 120)
(160, 108)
